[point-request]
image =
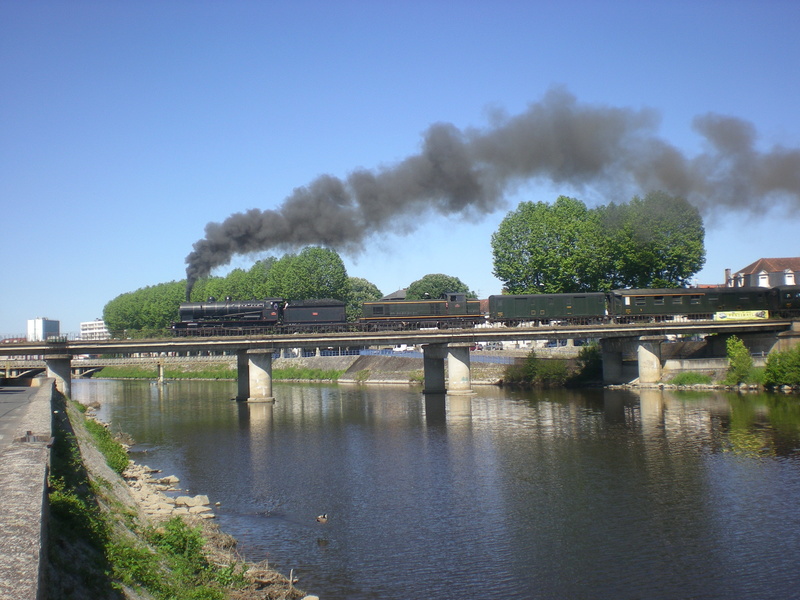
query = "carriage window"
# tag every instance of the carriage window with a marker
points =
(627, 300)
(640, 301)
(377, 310)
(694, 299)
(744, 298)
(677, 299)
(713, 298)
(658, 300)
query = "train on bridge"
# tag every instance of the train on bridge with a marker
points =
(455, 310)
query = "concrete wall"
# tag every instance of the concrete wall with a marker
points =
(24, 467)
(716, 367)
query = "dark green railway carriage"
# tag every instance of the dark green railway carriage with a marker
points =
(516, 308)
(324, 311)
(786, 301)
(697, 303)
(455, 309)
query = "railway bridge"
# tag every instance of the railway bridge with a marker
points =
(450, 347)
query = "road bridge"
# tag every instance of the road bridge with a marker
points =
(440, 346)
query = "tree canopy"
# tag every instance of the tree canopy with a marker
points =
(152, 307)
(361, 291)
(434, 285)
(655, 241)
(313, 273)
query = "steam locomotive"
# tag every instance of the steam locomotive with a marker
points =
(455, 310)
(259, 316)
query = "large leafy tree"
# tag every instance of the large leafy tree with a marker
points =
(361, 291)
(434, 285)
(544, 248)
(313, 273)
(258, 277)
(149, 308)
(655, 241)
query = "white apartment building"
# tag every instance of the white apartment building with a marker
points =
(94, 330)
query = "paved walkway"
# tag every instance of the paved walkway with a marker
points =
(23, 472)
(13, 404)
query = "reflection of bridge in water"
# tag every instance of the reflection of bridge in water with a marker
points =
(642, 344)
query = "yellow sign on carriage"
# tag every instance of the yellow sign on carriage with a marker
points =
(741, 315)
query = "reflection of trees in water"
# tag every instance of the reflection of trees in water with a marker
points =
(757, 424)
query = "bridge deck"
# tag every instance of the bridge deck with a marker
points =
(392, 338)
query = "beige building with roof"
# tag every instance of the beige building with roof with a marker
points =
(766, 272)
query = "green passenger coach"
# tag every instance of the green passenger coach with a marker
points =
(513, 309)
(695, 303)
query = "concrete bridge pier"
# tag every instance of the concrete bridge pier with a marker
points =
(459, 381)
(433, 368)
(242, 376)
(789, 339)
(612, 361)
(648, 354)
(259, 366)
(59, 367)
(160, 372)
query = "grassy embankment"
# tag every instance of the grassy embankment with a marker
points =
(99, 543)
(221, 372)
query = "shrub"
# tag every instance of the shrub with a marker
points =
(783, 368)
(552, 372)
(740, 363)
(116, 456)
(689, 378)
(534, 371)
(590, 364)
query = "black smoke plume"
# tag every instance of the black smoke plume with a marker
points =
(468, 173)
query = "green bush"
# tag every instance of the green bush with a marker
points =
(783, 368)
(116, 455)
(552, 372)
(537, 372)
(740, 363)
(690, 378)
(590, 364)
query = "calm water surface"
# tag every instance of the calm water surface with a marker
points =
(563, 495)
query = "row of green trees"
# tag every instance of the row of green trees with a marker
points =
(655, 241)
(312, 273)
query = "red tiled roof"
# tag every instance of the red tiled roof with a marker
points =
(771, 265)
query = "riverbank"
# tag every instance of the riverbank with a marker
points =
(344, 369)
(119, 533)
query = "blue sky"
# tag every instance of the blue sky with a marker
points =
(126, 127)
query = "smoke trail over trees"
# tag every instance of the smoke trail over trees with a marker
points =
(467, 173)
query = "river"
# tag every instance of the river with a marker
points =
(515, 495)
